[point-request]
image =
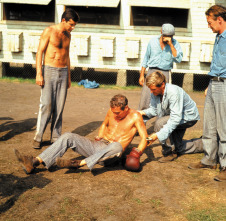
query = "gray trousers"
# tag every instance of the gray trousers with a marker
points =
(175, 142)
(52, 100)
(214, 125)
(145, 98)
(94, 151)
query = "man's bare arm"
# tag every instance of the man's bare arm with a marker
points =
(44, 41)
(141, 79)
(139, 123)
(69, 66)
(69, 72)
(103, 127)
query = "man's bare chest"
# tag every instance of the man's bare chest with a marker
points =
(60, 41)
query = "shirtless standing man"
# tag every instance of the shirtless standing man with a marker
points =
(115, 134)
(54, 75)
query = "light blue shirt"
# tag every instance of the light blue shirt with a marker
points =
(162, 59)
(218, 64)
(176, 103)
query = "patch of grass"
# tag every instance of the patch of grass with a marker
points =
(73, 84)
(138, 200)
(156, 202)
(17, 80)
(215, 214)
(109, 211)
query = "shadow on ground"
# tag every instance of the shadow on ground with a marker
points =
(13, 186)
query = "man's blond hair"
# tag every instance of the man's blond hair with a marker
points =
(156, 78)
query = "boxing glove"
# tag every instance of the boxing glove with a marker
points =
(133, 160)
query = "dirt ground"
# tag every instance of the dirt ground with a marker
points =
(159, 192)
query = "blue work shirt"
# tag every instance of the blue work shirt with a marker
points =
(218, 64)
(162, 59)
(176, 103)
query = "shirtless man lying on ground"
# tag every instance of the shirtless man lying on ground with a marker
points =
(115, 134)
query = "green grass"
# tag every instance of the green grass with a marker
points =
(215, 214)
(73, 84)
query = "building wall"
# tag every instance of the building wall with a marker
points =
(114, 47)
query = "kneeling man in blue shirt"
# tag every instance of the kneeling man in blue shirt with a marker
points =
(175, 112)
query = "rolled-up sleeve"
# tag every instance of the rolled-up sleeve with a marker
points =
(179, 56)
(176, 110)
(152, 110)
(147, 56)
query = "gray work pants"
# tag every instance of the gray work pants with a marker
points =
(145, 98)
(214, 125)
(94, 151)
(52, 100)
(175, 142)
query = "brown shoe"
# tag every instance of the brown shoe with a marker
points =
(65, 163)
(168, 158)
(200, 165)
(221, 176)
(26, 161)
(36, 144)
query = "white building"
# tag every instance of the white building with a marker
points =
(112, 34)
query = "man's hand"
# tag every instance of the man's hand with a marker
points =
(151, 139)
(141, 112)
(69, 83)
(97, 138)
(141, 80)
(133, 160)
(206, 91)
(167, 40)
(39, 80)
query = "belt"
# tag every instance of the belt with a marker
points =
(218, 79)
(157, 68)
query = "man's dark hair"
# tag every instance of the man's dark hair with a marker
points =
(70, 13)
(119, 100)
(217, 11)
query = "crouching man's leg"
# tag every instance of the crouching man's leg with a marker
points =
(168, 148)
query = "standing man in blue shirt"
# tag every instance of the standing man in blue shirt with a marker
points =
(161, 52)
(175, 112)
(214, 129)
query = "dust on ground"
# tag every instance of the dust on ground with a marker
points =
(159, 192)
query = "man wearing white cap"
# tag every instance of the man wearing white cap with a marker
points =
(161, 52)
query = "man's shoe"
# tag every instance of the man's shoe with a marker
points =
(200, 165)
(36, 144)
(221, 176)
(26, 161)
(168, 158)
(65, 163)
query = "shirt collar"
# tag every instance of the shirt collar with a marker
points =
(222, 34)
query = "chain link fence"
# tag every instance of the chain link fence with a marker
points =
(195, 82)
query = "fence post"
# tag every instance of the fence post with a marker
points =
(188, 82)
(121, 78)
(1, 70)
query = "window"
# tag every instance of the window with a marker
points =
(98, 15)
(153, 16)
(29, 12)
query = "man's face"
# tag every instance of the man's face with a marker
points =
(213, 24)
(157, 90)
(118, 113)
(69, 25)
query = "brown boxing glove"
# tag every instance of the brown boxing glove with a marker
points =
(133, 160)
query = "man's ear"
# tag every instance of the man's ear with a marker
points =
(63, 20)
(126, 108)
